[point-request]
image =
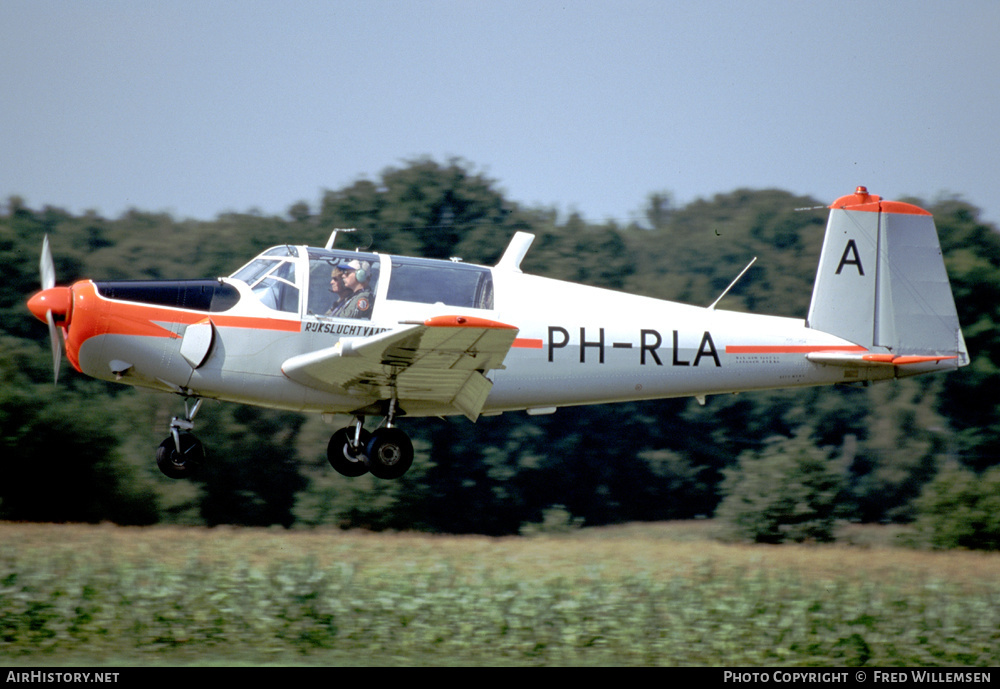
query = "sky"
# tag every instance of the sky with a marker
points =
(203, 107)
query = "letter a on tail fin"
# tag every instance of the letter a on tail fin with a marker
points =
(882, 283)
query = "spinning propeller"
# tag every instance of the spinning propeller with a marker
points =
(50, 303)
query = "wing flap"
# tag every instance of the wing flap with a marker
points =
(441, 360)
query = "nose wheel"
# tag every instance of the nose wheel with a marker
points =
(180, 455)
(180, 458)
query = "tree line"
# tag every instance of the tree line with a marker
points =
(917, 450)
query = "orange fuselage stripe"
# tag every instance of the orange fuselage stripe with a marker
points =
(791, 349)
(527, 343)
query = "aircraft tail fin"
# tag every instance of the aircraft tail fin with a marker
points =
(881, 281)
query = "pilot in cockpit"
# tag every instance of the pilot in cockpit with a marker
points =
(350, 282)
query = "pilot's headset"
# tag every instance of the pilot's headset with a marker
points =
(362, 270)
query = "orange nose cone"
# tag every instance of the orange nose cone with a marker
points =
(55, 299)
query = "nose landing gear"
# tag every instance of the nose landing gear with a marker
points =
(180, 455)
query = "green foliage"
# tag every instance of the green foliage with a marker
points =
(59, 464)
(252, 476)
(190, 596)
(556, 520)
(58, 451)
(960, 509)
(972, 256)
(426, 209)
(700, 248)
(789, 491)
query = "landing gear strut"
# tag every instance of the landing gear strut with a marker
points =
(346, 451)
(386, 452)
(181, 453)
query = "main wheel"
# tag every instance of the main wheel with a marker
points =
(390, 453)
(180, 464)
(343, 457)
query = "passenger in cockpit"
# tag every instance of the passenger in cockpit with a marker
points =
(340, 292)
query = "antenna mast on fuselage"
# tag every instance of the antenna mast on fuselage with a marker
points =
(333, 235)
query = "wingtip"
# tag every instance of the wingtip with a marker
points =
(466, 322)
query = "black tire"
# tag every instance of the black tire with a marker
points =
(390, 453)
(342, 458)
(181, 464)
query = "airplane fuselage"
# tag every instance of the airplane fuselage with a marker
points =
(575, 345)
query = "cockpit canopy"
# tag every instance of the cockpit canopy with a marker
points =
(327, 283)
(440, 282)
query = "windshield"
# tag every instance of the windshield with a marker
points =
(271, 277)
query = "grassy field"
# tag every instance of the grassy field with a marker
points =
(659, 594)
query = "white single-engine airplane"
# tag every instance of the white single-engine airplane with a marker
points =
(366, 334)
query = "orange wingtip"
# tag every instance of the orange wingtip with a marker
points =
(465, 322)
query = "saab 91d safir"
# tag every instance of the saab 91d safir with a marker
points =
(373, 335)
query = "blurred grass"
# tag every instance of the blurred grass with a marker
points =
(658, 594)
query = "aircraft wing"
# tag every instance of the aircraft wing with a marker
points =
(441, 360)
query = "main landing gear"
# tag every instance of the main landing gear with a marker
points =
(180, 455)
(385, 452)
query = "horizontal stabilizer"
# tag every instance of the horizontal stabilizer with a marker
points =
(870, 359)
(880, 366)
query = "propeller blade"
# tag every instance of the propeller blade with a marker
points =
(47, 269)
(55, 336)
(46, 266)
